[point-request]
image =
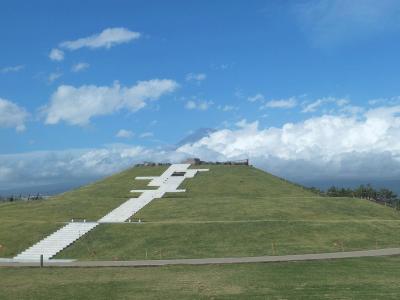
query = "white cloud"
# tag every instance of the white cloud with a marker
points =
(11, 69)
(72, 167)
(352, 109)
(54, 76)
(281, 103)
(106, 39)
(146, 135)
(12, 116)
(385, 101)
(125, 134)
(329, 145)
(257, 97)
(199, 105)
(329, 22)
(79, 67)
(196, 77)
(342, 102)
(363, 147)
(56, 54)
(313, 106)
(77, 105)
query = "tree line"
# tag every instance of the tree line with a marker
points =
(384, 196)
(13, 198)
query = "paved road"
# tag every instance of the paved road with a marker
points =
(206, 261)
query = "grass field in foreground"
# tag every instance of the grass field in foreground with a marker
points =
(363, 279)
(242, 211)
(25, 223)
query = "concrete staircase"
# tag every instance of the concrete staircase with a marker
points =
(168, 182)
(130, 207)
(57, 241)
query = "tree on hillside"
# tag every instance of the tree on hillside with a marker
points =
(332, 192)
(385, 195)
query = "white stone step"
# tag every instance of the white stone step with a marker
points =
(54, 243)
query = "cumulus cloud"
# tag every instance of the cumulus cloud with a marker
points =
(281, 103)
(199, 105)
(106, 39)
(11, 69)
(12, 116)
(123, 133)
(329, 145)
(77, 105)
(362, 147)
(56, 54)
(79, 67)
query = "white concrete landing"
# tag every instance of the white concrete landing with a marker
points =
(56, 242)
(168, 182)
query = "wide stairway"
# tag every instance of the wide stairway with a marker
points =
(168, 182)
(57, 241)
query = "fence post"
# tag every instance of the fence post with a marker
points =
(41, 260)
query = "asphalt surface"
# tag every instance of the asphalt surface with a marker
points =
(203, 261)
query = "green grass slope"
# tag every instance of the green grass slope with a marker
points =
(25, 223)
(241, 211)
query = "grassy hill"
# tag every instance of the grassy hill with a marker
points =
(228, 211)
(242, 211)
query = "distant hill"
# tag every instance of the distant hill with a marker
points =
(52, 189)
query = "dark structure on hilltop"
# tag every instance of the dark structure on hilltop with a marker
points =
(197, 162)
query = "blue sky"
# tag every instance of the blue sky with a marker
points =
(277, 80)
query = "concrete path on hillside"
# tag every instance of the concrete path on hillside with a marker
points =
(208, 261)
